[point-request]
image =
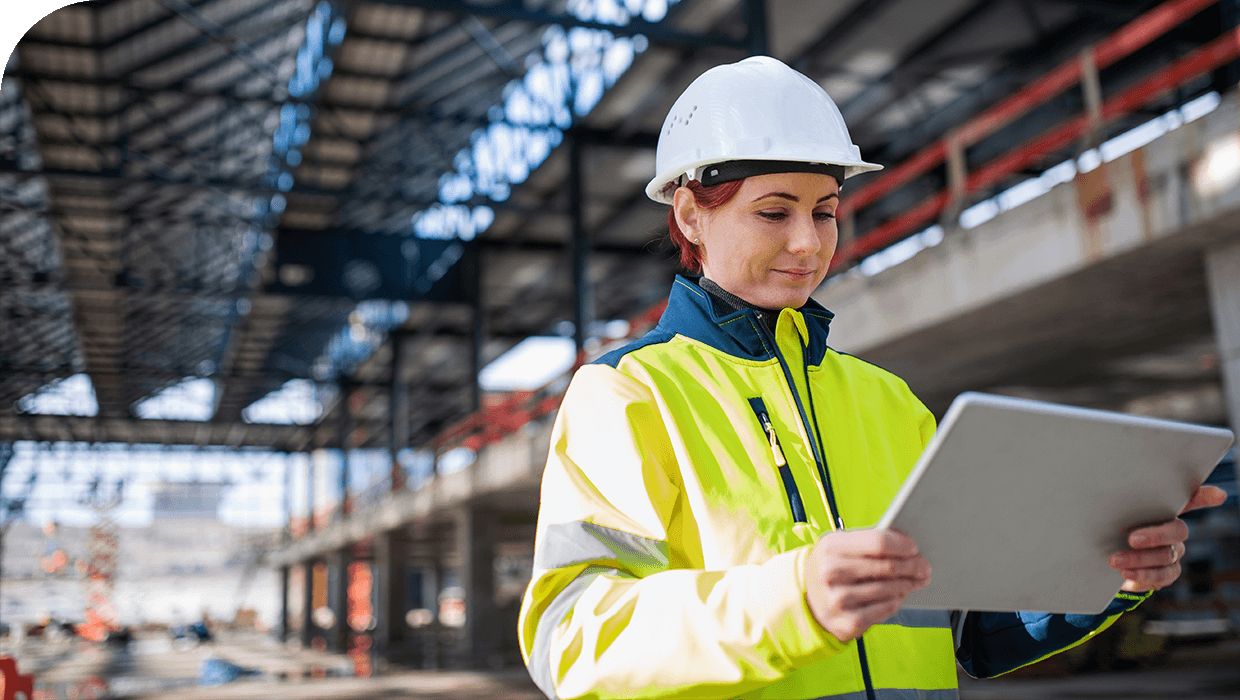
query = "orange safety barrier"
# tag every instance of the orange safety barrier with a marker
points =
(1125, 41)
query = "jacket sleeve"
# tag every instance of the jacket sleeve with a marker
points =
(614, 608)
(991, 644)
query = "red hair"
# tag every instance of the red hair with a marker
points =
(706, 198)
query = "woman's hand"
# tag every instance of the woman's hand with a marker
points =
(1154, 560)
(860, 578)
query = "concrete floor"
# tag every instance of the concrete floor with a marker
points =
(153, 668)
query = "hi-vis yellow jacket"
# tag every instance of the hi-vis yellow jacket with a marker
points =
(689, 474)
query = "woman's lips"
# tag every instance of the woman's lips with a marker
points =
(797, 273)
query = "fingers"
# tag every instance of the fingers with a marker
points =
(862, 595)
(846, 570)
(1162, 535)
(857, 579)
(1153, 561)
(1147, 558)
(1142, 580)
(1205, 497)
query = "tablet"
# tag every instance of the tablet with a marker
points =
(1017, 504)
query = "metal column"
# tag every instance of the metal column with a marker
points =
(346, 430)
(338, 600)
(432, 585)
(478, 312)
(310, 475)
(755, 23)
(583, 294)
(389, 593)
(398, 407)
(287, 502)
(307, 604)
(284, 626)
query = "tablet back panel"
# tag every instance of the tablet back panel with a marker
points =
(1017, 504)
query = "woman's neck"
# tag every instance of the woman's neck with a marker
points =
(735, 303)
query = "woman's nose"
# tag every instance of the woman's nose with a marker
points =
(804, 238)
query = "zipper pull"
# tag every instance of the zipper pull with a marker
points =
(777, 453)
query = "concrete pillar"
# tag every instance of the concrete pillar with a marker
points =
(1223, 276)
(475, 543)
(389, 580)
(307, 604)
(432, 584)
(338, 599)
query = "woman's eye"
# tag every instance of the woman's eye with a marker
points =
(824, 215)
(772, 215)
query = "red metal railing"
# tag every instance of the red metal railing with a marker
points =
(1127, 40)
(505, 413)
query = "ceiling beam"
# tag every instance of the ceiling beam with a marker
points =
(43, 428)
(655, 32)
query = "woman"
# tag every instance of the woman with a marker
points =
(691, 539)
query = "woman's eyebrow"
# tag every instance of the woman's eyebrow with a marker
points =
(794, 198)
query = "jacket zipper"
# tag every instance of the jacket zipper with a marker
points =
(785, 472)
(820, 460)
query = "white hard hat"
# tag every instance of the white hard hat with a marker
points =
(758, 109)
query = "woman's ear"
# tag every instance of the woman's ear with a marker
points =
(688, 214)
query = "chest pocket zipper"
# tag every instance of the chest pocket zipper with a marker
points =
(785, 472)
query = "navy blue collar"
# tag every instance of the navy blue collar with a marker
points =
(692, 313)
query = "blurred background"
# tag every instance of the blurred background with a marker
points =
(290, 291)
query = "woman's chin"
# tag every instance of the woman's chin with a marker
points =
(784, 299)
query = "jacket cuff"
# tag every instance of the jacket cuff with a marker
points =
(1125, 601)
(780, 591)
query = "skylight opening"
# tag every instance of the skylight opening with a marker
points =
(529, 365)
(296, 403)
(576, 68)
(192, 399)
(324, 31)
(71, 396)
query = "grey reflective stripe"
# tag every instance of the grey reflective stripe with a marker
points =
(540, 655)
(898, 694)
(920, 618)
(958, 618)
(911, 694)
(565, 544)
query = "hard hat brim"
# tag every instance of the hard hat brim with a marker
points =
(658, 190)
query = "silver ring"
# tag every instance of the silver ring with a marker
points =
(1174, 554)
